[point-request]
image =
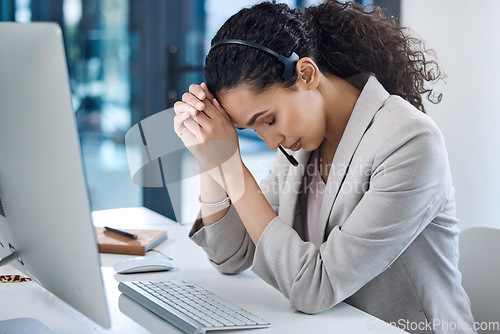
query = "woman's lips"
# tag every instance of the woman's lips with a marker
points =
(296, 146)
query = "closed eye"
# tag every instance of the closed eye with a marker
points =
(272, 122)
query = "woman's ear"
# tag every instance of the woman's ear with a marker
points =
(307, 72)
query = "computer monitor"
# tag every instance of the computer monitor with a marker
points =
(45, 212)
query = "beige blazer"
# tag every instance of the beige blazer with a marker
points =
(390, 236)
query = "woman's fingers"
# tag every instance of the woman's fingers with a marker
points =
(181, 117)
(217, 105)
(187, 129)
(197, 99)
(189, 118)
(197, 91)
(208, 94)
(184, 108)
(210, 111)
(193, 127)
(193, 101)
(179, 123)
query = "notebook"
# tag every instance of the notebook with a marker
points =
(110, 242)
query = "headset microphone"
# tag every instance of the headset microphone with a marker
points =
(289, 157)
(288, 71)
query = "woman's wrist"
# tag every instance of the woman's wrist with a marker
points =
(214, 204)
(211, 192)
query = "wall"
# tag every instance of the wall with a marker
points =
(466, 38)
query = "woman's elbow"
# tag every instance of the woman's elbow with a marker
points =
(311, 291)
(313, 303)
(310, 308)
(230, 267)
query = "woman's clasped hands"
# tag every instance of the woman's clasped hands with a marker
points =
(208, 133)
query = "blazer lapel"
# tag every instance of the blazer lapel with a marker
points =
(371, 99)
(293, 180)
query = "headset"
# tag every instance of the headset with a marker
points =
(288, 62)
(288, 71)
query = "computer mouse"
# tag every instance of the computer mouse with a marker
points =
(143, 264)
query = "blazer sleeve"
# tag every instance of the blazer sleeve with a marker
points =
(406, 191)
(227, 243)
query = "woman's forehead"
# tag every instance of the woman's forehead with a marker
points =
(245, 95)
(244, 102)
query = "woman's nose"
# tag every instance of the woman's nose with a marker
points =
(272, 140)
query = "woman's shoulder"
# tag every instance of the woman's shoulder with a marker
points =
(400, 130)
(399, 118)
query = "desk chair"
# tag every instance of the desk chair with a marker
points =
(480, 267)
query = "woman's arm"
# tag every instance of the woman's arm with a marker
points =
(211, 192)
(253, 207)
(208, 132)
(226, 242)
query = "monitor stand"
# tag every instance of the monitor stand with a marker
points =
(21, 325)
(24, 326)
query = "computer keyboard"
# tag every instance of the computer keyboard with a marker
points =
(190, 307)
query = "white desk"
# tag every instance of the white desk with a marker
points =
(245, 290)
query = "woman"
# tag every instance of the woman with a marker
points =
(368, 215)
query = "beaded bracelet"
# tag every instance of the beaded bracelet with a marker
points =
(213, 205)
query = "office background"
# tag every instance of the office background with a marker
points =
(129, 59)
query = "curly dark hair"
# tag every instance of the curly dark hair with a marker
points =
(344, 39)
